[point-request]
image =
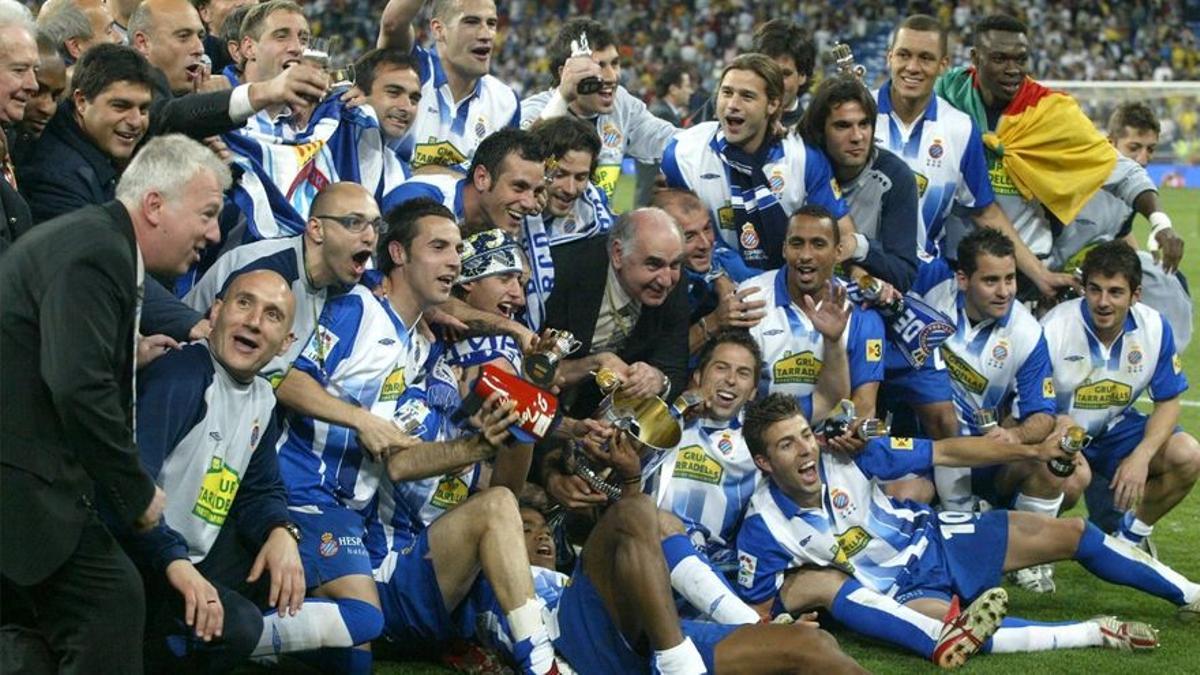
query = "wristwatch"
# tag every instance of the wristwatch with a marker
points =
(291, 528)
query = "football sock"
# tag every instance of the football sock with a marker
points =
(1133, 530)
(695, 579)
(1049, 507)
(682, 659)
(1118, 562)
(881, 617)
(531, 647)
(1020, 635)
(319, 623)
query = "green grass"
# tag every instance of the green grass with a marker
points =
(1079, 594)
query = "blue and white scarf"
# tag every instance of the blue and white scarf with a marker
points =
(758, 216)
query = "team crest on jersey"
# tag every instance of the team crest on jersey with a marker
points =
(328, 547)
(1134, 358)
(725, 445)
(610, 135)
(393, 386)
(1176, 364)
(841, 502)
(963, 373)
(217, 490)
(481, 127)
(725, 217)
(451, 491)
(853, 541)
(936, 149)
(776, 182)
(999, 354)
(901, 443)
(1103, 394)
(922, 183)
(693, 463)
(748, 237)
(1048, 387)
(874, 350)
(802, 368)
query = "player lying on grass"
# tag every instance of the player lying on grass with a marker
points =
(822, 509)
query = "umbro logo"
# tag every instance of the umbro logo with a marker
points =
(431, 109)
(710, 176)
(215, 435)
(387, 341)
(1074, 357)
(804, 541)
(773, 331)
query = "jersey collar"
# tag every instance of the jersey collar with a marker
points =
(960, 302)
(885, 102)
(1130, 322)
(790, 508)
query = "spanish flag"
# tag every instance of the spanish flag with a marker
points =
(1049, 148)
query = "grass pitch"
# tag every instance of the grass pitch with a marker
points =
(1079, 595)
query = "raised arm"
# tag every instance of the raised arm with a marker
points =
(395, 24)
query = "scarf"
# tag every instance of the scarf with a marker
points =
(1049, 148)
(758, 216)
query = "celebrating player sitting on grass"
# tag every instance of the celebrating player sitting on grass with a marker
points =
(821, 508)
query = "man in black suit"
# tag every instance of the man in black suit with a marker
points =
(18, 84)
(624, 303)
(68, 321)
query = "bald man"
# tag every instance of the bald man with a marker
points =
(206, 435)
(329, 257)
(169, 34)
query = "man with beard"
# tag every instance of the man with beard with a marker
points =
(622, 121)
(576, 208)
(749, 177)
(463, 104)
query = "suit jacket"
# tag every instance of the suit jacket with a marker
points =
(15, 218)
(659, 338)
(67, 306)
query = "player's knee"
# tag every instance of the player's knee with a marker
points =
(1184, 456)
(669, 524)
(363, 620)
(498, 505)
(1076, 484)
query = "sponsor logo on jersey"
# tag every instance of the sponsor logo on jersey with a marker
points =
(215, 436)
(710, 176)
(802, 368)
(725, 217)
(693, 463)
(1048, 387)
(773, 331)
(747, 567)
(963, 373)
(605, 178)
(393, 385)
(217, 490)
(328, 546)
(387, 342)
(922, 183)
(1176, 364)
(840, 559)
(1074, 357)
(853, 541)
(874, 350)
(1102, 394)
(837, 189)
(901, 443)
(451, 491)
(442, 153)
(1001, 183)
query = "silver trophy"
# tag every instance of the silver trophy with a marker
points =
(552, 347)
(985, 419)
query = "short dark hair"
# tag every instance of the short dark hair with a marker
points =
(369, 65)
(834, 92)
(598, 35)
(760, 415)
(403, 227)
(731, 336)
(923, 23)
(1112, 258)
(670, 76)
(1003, 23)
(230, 29)
(560, 135)
(1135, 115)
(983, 240)
(105, 64)
(820, 213)
(494, 149)
(784, 37)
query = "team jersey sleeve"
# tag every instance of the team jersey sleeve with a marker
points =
(648, 134)
(762, 561)
(821, 187)
(1169, 380)
(1035, 383)
(891, 457)
(974, 186)
(411, 190)
(731, 261)
(334, 338)
(1129, 180)
(864, 348)
(424, 62)
(261, 502)
(931, 274)
(670, 168)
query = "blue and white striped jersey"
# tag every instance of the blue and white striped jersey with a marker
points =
(793, 349)
(629, 130)
(361, 353)
(446, 132)
(533, 239)
(797, 174)
(1096, 384)
(945, 151)
(994, 363)
(707, 482)
(285, 256)
(857, 528)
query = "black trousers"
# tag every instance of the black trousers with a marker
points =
(172, 647)
(86, 617)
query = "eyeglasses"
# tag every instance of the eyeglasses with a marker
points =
(355, 223)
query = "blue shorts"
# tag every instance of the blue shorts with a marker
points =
(591, 642)
(965, 557)
(917, 387)
(414, 614)
(331, 544)
(1111, 447)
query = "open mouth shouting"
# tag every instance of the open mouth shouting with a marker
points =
(359, 260)
(482, 52)
(734, 123)
(195, 71)
(808, 472)
(245, 343)
(446, 282)
(806, 274)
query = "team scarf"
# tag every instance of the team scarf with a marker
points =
(283, 170)
(917, 331)
(1049, 148)
(758, 216)
(535, 243)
